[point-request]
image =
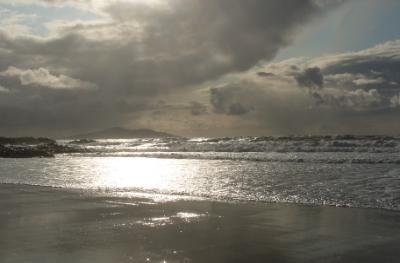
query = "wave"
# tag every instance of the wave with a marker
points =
(339, 158)
(294, 144)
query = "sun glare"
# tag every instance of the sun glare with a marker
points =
(142, 173)
(101, 3)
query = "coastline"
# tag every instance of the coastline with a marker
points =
(43, 224)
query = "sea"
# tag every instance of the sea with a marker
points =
(345, 171)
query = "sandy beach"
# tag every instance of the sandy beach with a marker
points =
(40, 224)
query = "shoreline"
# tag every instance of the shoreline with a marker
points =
(46, 224)
(173, 197)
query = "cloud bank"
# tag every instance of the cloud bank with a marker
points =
(134, 54)
(355, 92)
(190, 67)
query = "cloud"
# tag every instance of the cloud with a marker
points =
(372, 68)
(363, 81)
(368, 81)
(329, 3)
(356, 92)
(363, 99)
(226, 100)
(265, 74)
(3, 89)
(238, 109)
(42, 77)
(310, 78)
(139, 52)
(395, 101)
(357, 100)
(154, 48)
(197, 108)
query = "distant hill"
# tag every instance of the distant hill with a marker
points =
(122, 133)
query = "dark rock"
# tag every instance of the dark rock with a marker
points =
(34, 148)
(23, 152)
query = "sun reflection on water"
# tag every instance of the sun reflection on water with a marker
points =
(181, 217)
(142, 173)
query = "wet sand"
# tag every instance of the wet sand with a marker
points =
(39, 224)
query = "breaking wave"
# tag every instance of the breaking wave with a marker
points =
(308, 149)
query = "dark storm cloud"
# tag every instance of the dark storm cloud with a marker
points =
(141, 52)
(310, 78)
(355, 92)
(367, 80)
(197, 108)
(265, 74)
(289, 110)
(376, 67)
(238, 109)
(227, 100)
(370, 77)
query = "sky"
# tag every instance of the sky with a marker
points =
(200, 67)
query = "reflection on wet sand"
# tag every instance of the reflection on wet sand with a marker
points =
(40, 224)
(178, 218)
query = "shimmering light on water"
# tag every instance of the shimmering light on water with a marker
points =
(181, 217)
(365, 185)
(143, 173)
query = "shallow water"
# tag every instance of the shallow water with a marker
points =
(123, 213)
(41, 224)
(341, 171)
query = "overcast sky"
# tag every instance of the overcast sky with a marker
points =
(200, 67)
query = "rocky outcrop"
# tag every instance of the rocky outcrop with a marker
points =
(11, 151)
(34, 148)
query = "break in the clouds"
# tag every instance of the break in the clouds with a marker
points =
(192, 67)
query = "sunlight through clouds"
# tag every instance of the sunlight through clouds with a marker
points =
(212, 65)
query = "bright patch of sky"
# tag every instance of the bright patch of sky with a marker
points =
(357, 25)
(36, 16)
